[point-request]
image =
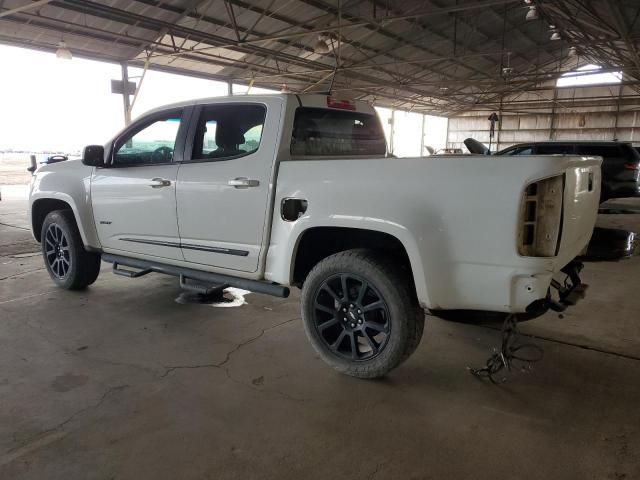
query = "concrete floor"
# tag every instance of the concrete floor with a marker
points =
(122, 382)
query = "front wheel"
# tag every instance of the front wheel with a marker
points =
(360, 313)
(69, 265)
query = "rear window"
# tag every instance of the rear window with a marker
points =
(324, 132)
(600, 150)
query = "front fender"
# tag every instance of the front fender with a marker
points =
(69, 182)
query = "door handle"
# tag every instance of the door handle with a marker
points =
(242, 182)
(160, 182)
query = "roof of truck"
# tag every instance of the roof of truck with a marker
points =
(310, 100)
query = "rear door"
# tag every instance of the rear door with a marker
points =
(224, 183)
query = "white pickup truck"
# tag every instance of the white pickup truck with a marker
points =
(268, 192)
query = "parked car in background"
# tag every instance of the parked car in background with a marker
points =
(48, 160)
(620, 162)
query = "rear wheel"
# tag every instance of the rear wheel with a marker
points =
(68, 263)
(360, 313)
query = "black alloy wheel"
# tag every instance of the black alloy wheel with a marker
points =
(57, 251)
(351, 317)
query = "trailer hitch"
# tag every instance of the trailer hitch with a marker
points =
(571, 290)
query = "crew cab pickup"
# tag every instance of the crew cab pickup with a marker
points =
(269, 192)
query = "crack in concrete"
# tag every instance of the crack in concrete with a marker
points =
(49, 435)
(570, 344)
(27, 297)
(22, 273)
(228, 355)
(223, 364)
(15, 226)
(376, 471)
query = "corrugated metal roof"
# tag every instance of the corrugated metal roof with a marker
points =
(441, 56)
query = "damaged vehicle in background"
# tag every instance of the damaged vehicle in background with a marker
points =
(268, 192)
(620, 162)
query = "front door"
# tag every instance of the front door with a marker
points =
(134, 198)
(224, 184)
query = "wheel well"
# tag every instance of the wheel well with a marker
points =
(40, 209)
(320, 242)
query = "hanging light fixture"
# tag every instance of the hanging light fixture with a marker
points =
(63, 52)
(532, 14)
(572, 51)
(555, 36)
(321, 47)
(325, 43)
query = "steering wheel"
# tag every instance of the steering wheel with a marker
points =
(162, 154)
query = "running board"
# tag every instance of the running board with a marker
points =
(198, 275)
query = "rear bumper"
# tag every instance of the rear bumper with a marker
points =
(563, 292)
(492, 288)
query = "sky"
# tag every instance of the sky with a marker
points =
(47, 103)
(52, 104)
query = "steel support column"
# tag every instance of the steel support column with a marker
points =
(126, 103)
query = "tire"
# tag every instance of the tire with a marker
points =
(69, 265)
(372, 329)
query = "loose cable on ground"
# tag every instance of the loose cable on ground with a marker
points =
(512, 354)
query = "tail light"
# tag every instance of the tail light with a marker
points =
(632, 166)
(541, 218)
(341, 104)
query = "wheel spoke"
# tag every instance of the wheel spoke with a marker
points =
(49, 252)
(334, 346)
(373, 306)
(330, 291)
(345, 290)
(354, 345)
(371, 342)
(363, 290)
(377, 327)
(48, 240)
(329, 323)
(322, 308)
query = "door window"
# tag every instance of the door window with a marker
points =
(228, 131)
(153, 144)
(605, 151)
(524, 150)
(554, 149)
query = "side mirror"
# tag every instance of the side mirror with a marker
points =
(93, 156)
